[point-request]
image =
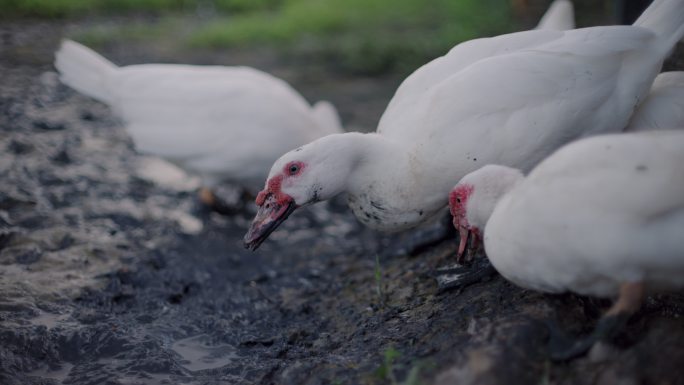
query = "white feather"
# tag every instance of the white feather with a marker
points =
(664, 106)
(84, 70)
(560, 16)
(326, 115)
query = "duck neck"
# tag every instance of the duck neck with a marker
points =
(386, 185)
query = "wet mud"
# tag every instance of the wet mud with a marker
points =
(110, 272)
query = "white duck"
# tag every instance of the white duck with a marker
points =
(508, 100)
(221, 123)
(664, 107)
(602, 216)
(560, 16)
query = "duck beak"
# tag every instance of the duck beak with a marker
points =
(269, 216)
(463, 234)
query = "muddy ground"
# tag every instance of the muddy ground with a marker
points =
(111, 276)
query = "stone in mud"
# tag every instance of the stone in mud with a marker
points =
(61, 157)
(16, 200)
(28, 257)
(19, 148)
(48, 125)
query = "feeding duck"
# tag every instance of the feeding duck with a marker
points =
(220, 123)
(602, 217)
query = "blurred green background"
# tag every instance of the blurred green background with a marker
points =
(359, 36)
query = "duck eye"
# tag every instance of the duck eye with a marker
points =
(293, 169)
(458, 200)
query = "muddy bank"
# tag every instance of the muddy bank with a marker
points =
(108, 277)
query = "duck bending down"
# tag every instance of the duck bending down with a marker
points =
(471, 210)
(221, 123)
(662, 109)
(511, 100)
(664, 106)
(603, 217)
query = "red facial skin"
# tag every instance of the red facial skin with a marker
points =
(274, 185)
(274, 206)
(458, 200)
(274, 199)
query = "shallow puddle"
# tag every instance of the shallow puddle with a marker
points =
(59, 375)
(199, 354)
(49, 320)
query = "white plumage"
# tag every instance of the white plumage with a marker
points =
(598, 213)
(222, 123)
(664, 106)
(560, 16)
(510, 100)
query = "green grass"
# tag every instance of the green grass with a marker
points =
(378, 281)
(386, 370)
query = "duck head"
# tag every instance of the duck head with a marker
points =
(309, 174)
(473, 199)
(458, 201)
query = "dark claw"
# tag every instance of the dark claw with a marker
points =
(461, 276)
(563, 347)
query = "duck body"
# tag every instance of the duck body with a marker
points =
(596, 214)
(222, 123)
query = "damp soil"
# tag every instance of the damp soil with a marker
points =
(110, 274)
